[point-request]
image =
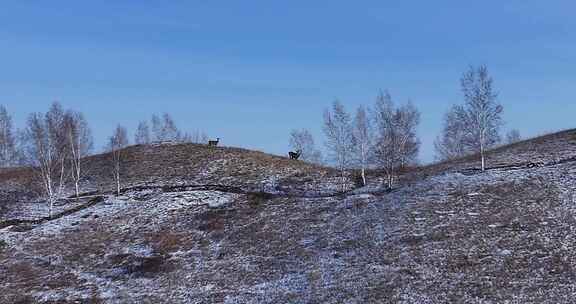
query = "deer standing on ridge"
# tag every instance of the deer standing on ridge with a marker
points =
(213, 143)
(295, 155)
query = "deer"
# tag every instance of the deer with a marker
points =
(295, 155)
(213, 143)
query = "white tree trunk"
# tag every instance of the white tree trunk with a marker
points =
(482, 155)
(51, 207)
(483, 160)
(49, 191)
(363, 165)
(118, 183)
(342, 180)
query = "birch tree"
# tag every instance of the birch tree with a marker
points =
(169, 130)
(339, 138)
(407, 119)
(116, 144)
(157, 128)
(196, 137)
(164, 128)
(303, 141)
(186, 138)
(8, 149)
(451, 143)
(79, 143)
(55, 120)
(397, 144)
(362, 134)
(386, 137)
(200, 137)
(142, 136)
(45, 137)
(482, 114)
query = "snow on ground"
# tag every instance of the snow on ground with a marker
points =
(31, 210)
(412, 245)
(503, 236)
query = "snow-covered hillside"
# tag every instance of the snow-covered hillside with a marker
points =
(233, 226)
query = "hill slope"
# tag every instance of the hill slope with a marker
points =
(503, 236)
(174, 165)
(543, 150)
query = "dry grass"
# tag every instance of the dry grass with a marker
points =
(170, 163)
(546, 148)
(176, 164)
(498, 237)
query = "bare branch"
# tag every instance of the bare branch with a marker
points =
(142, 136)
(339, 138)
(397, 144)
(8, 150)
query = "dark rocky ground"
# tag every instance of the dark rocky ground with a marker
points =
(278, 233)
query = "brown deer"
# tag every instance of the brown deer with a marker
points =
(213, 143)
(295, 155)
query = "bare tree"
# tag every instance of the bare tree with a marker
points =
(339, 138)
(386, 137)
(142, 136)
(407, 120)
(117, 142)
(169, 130)
(55, 120)
(303, 141)
(450, 144)
(362, 133)
(8, 149)
(79, 142)
(186, 137)
(198, 137)
(513, 136)
(164, 129)
(195, 137)
(203, 138)
(157, 128)
(397, 144)
(40, 153)
(45, 137)
(481, 115)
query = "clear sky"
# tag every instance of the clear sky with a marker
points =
(250, 71)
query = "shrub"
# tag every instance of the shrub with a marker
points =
(3, 245)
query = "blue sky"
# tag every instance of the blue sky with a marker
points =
(250, 71)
